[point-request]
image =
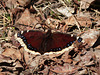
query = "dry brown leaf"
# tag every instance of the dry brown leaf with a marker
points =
(11, 4)
(27, 18)
(27, 72)
(5, 45)
(85, 3)
(18, 65)
(10, 33)
(26, 57)
(8, 52)
(6, 73)
(5, 59)
(83, 72)
(17, 55)
(1, 70)
(45, 71)
(24, 2)
(98, 22)
(83, 21)
(53, 23)
(66, 58)
(97, 53)
(86, 59)
(6, 65)
(66, 69)
(67, 12)
(15, 3)
(1, 49)
(35, 62)
(90, 36)
(13, 53)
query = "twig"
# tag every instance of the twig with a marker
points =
(36, 9)
(3, 8)
(4, 20)
(95, 11)
(77, 23)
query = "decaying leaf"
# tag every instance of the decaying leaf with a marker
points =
(18, 65)
(53, 23)
(11, 4)
(65, 11)
(24, 2)
(83, 21)
(91, 36)
(27, 18)
(45, 15)
(13, 53)
(85, 3)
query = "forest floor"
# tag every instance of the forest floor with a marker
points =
(78, 17)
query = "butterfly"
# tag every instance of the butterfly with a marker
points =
(40, 42)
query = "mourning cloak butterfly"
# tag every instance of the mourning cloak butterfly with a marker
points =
(38, 42)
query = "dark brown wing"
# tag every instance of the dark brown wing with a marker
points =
(32, 39)
(58, 41)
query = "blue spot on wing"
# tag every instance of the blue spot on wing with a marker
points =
(79, 39)
(29, 46)
(19, 35)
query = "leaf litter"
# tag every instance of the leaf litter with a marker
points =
(73, 16)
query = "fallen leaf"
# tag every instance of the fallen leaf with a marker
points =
(67, 12)
(97, 53)
(53, 23)
(24, 2)
(5, 59)
(66, 58)
(83, 21)
(90, 36)
(28, 18)
(11, 4)
(18, 65)
(83, 72)
(85, 3)
(11, 52)
(86, 59)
